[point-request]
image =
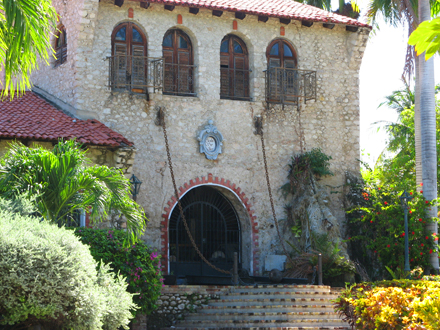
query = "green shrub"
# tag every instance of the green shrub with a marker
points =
(376, 228)
(389, 305)
(302, 166)
(22, 204)
(138, 263)
(48, 277)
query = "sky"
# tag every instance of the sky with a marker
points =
(380, 75)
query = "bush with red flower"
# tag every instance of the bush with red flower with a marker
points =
(377, 233)
(139, 264)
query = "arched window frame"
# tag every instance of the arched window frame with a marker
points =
(234, 70)
(281, 57)
(60, 46)
(179, 64)
(129, 59)
(282, 76)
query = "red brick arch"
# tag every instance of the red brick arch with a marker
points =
(210, 179)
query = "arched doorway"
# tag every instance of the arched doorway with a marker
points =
(215, 227)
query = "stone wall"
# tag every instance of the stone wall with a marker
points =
(64, 80)
(330, 123)
(178, 300)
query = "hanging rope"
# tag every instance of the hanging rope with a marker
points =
(258, 122)
(161, 122)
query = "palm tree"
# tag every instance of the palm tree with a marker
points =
(428, 130)
(62, 181)
(25, 29)
(349, 9)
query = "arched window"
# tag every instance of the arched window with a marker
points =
(234, 69)
(61, 46)
(282, 78)
(179, 68)
(128, 62)
(280, 54)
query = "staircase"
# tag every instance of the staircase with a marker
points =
(286, 307)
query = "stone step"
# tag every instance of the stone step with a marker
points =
(282, 288)
(278, 294)
(233, 324)
(272, 308)
(263, 316)
(262, 301)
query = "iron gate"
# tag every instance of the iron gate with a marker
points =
(215, 227)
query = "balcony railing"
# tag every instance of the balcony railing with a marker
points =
(136, 73)
(179, 79)
(234, 84)
(290, 86)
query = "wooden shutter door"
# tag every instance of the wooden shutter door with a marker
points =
(184, 73)
(291, 82)
(224, 75)
(240, 77)
(138, 69)
(119, 69)
(275, 79)
(169, 84)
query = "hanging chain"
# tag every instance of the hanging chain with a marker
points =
(259, 126)
(161, 121)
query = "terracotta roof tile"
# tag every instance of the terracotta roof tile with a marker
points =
(275, 8)
(31, 117)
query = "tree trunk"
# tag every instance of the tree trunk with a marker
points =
(341, 6)
(417, 128)
(428, 131)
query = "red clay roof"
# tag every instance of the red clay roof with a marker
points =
(31, 117)
(275, 8)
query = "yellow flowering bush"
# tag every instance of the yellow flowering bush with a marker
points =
(389, 305)
(428, 308)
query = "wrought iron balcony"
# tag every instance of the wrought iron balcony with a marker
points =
(234, 84)
(290, 86)
(136, 73)
(179, 79)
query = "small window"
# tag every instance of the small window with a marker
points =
(234, 69)
(179, 68)
(61, 46)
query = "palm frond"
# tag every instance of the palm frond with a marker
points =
(25, 29)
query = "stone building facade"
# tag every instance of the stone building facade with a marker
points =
(332, 46)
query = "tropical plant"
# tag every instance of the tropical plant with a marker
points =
(413, 13)
(61, 182)
(389, 305)
(310, 165)
(138, 263)
(334, 263)
(349, 9)
(396, 167)
(376, 229)
(426, 38)
(48, 277)
(25, 29)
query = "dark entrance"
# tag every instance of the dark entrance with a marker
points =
(215, 226)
